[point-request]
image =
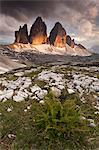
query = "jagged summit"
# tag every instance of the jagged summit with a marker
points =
(21, 36)
(58, 36)
(38, 32)
(38, 36)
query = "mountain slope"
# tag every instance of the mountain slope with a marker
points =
(50, 49)
(7, 64)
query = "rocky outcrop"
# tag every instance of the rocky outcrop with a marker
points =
(38, 35)
(21, 36)
(81, 46)
(58, 36)
(70, 42)
(38, 32)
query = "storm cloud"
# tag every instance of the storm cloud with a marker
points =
(80, 18)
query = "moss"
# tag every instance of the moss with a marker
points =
(11, 77)
(40, 83)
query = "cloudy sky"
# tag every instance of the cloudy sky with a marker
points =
(80, 18)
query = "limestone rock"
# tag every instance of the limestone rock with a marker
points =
(56, 92)
(70, 91)
(21, 36)
(58, 36)
(38, 32)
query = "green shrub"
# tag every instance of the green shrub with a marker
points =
(61, 124)
(54, 125)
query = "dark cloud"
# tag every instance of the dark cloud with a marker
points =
(25, 9)
(28, 8)
(80, 17)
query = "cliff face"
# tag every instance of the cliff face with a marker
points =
(58, 36)
(38, 35)
(21, 36)
(38, 32)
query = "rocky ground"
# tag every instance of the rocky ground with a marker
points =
(33, 84)
(28, 57)
(63, 75)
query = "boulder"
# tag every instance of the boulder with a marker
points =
(58, 36)
(55, 91)
(38, 32)
(21, 36)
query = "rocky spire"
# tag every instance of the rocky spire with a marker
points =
(38, 32)
(72, 43)
(69, 41)
(21, 36)
(58, 36)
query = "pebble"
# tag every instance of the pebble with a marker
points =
(19, 74)
(9, 110)
(70, 91)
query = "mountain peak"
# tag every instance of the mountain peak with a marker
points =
(38, 35)
(38, 32)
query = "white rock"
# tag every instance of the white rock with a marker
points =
(7, 94)
(4, 83)
(82, 118)
(29, 93)
(35, 97)
(41, 94)
(48, 75)
(28, 107)
(11, 86)
(91, 120)
(18, 98)
(22, 94)
(1, 97)
(35, 88)
(97, 107)
(70, 91)
(4, 100)
(11, 136)
(77, 82)
(19, 74)
(92, 124)
(96, 112)
(79, 88)
(56, 92)
(95, 88)
(61, 87)
(41, 102)
(1, 92)
(25, 110)
(9, 110)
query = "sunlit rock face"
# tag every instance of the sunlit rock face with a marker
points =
(38, 32)
(58, 36)
(21, 36)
